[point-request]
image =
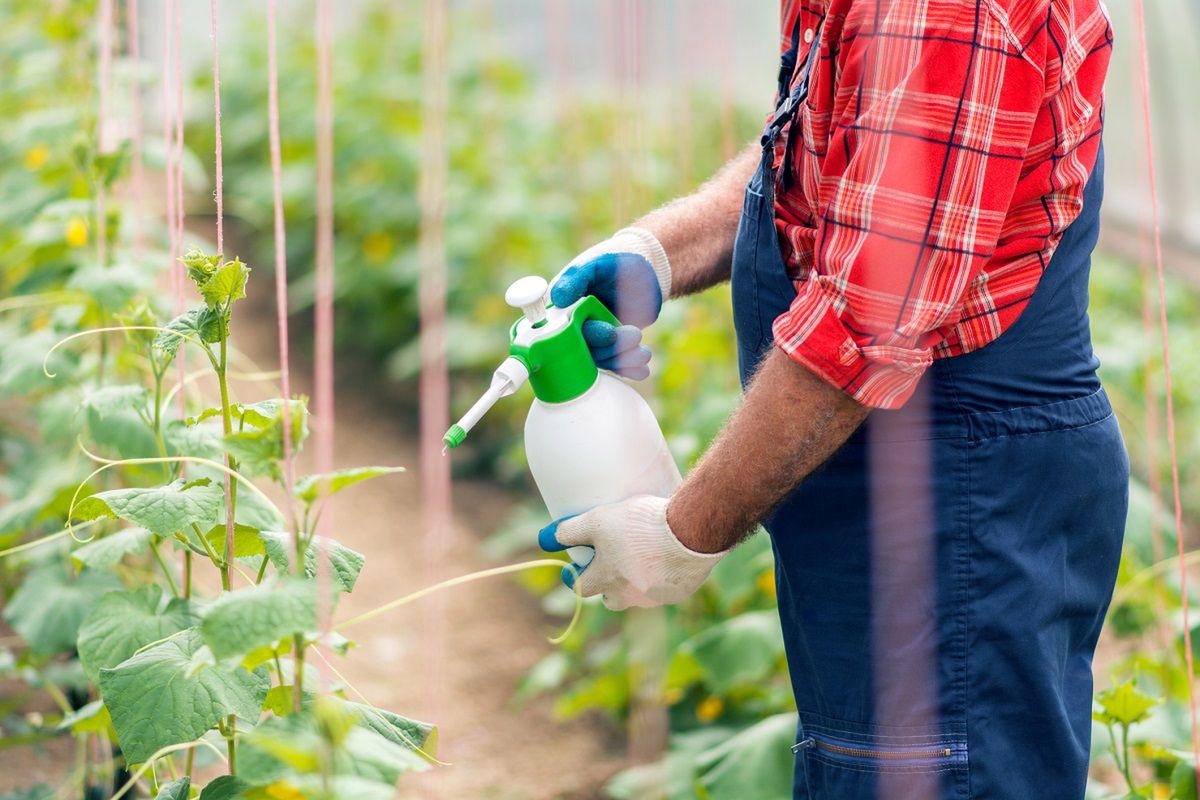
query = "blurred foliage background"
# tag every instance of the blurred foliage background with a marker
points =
(538, 170)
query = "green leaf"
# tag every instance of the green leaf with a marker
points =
(124, 622)
(115, 417)
(200, 324)
(290, 749)
(105, 401)
(21, 362)
(246, 542)
(226, 787)
(112, 548)
(175, 790)
(173, 693)
(1124, 704)
(310, 487)
(259, 449)
(263, 413)
(227, 284)
(346, 563)
(110, 286)
(49, 607)
(202, 440)
(399, 730)
(757, 762)
(238, 622)
(91, 718)
(1183, 780)
(745, 649)
(162, 510)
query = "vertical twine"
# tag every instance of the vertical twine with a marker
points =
(180, 300)
(323, 375)
(169, 155)
(323, 355)
(434, 380)
(219, 178)
(137, 172)
(103, 145)
(281, 298)
(1164, 331)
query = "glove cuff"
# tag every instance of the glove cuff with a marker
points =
(683, 563)
(647, 245)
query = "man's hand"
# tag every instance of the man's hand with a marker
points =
(630, 274)
(638, 560)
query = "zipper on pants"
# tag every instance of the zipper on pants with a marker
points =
(936, 754)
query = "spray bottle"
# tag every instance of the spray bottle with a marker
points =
(590, 438)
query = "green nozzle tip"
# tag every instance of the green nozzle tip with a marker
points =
(454, 437)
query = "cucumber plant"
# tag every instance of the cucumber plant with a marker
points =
(175, 670)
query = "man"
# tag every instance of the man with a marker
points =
(909, 250)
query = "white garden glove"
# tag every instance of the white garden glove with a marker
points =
(631, 276)
(638, 560)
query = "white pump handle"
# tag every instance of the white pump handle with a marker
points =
(529, 295)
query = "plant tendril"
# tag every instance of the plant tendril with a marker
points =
(112, 329)
(475, 576)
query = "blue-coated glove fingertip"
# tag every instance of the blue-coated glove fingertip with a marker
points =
(570, 573)
(598, 333)
(574, 283)
(548, 536)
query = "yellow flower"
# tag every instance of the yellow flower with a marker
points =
(77, 232)
(710, 708)
(377, 247)
(282, 791)
(36, 157)
(766, 582)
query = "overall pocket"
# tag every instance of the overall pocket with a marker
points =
(845, 765)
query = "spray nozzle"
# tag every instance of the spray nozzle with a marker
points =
(508, 377)
(546, 348)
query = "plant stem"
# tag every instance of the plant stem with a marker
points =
(230, 731)
(187, 585)
(57, 696)
(190, 762)
(262, 571)
(298, 678)
(1125, 765)
(158, 435)
(212, 554)
(227, 421)
(166, 572)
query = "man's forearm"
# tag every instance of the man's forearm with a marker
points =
(697, 231)
(790, 423)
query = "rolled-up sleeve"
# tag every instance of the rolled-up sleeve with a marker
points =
(933, 112)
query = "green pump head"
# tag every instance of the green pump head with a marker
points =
(546, 347)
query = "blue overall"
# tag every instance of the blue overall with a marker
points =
(942, 580)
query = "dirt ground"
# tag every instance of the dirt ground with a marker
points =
(492, 631)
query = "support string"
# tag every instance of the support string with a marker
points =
(137, 174)
(281, 298)
(219, 179)
(1164, 331)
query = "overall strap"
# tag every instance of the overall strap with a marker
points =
(785, 110)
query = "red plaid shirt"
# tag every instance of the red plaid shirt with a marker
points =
(943, 149)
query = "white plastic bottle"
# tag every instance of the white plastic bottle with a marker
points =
(590, 438)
